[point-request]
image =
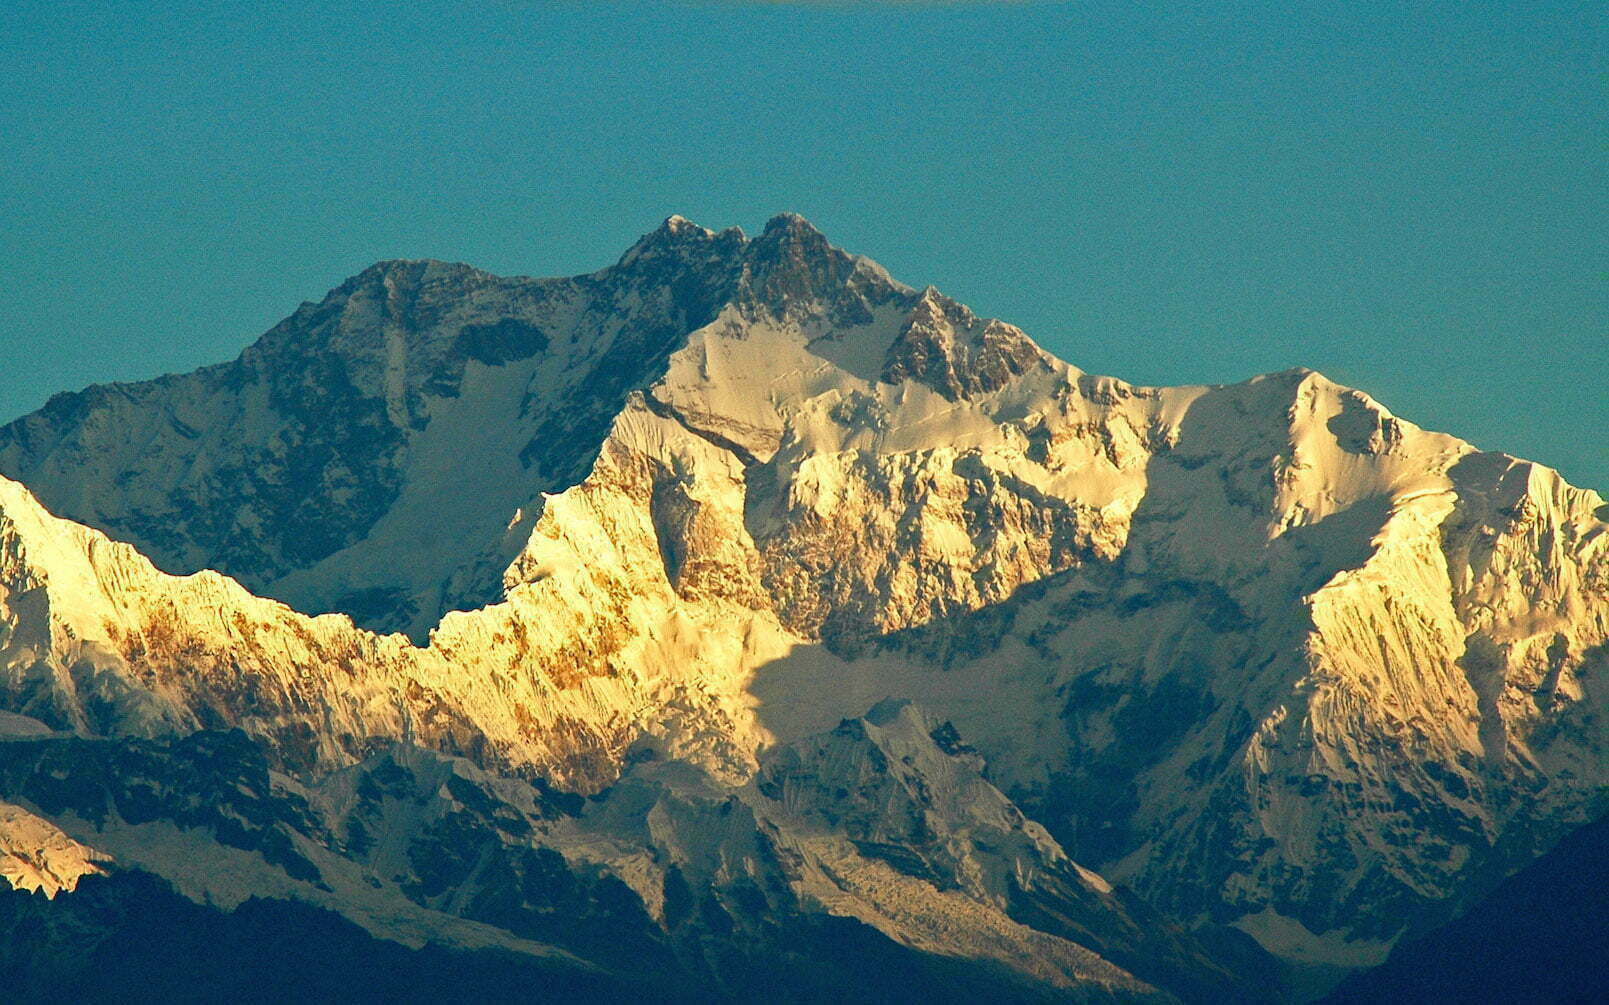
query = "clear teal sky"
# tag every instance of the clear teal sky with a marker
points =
(1411, 202)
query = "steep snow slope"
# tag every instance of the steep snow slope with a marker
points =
(1266, 652)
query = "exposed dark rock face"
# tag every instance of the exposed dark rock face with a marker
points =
(950, 349)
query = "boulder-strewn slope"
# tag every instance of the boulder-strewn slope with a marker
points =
(1266, 653)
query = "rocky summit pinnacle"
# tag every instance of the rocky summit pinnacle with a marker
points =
(739, 609)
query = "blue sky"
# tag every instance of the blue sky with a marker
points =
(1412, 201)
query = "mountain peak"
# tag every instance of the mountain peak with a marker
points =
(791, 224)
(792, 264)
(1254, 650)
(950, 349)
(791, 235)
(675, 236)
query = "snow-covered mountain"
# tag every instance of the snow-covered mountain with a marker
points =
(1266, 655)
